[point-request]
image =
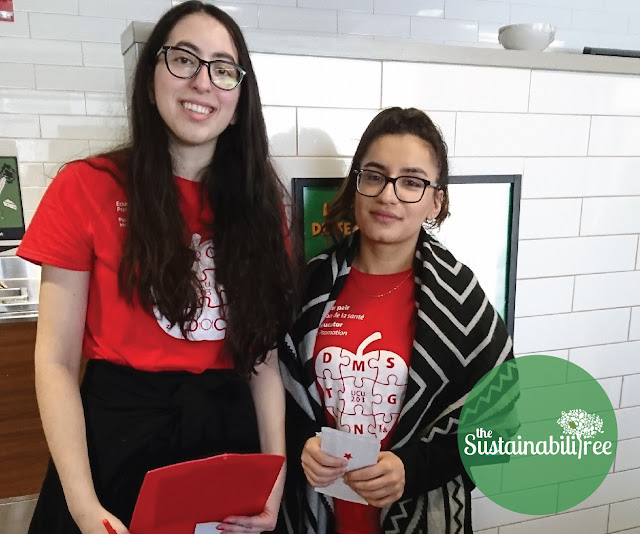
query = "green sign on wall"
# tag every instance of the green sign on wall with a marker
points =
(11, 213)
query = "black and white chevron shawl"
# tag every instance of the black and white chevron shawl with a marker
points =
(459, 337)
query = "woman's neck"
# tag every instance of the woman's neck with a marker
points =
(384, 258)
(190, 162)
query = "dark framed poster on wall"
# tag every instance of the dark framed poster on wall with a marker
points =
(481, 232)
(11, 212)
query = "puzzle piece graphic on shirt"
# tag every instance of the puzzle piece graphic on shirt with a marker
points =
(361, 390)
(356, 423)
(357, 367)
(389, 364)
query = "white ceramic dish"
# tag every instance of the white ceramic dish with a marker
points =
(533, 36)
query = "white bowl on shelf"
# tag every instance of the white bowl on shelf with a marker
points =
(533, 36)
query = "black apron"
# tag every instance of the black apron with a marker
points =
(137, 421)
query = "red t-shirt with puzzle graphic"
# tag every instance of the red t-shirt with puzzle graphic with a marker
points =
(80, 225)
(362, 358)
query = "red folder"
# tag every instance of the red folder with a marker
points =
(174, 499)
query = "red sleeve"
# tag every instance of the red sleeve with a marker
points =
(60, 232)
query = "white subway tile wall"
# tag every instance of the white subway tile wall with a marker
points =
(627, 419)
(608, 290)
(551, 332)
(18, 28)
(624, 515)
(350, 22)
(446, 87)
(630, 392)
(573, 137)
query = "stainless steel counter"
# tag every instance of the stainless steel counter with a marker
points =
(19, 290)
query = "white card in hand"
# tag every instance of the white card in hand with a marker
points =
(359, 451)
(207, 528)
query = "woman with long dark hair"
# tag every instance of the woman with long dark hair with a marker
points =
(392, 334)
(165, 264)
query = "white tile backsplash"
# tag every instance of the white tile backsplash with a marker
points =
(417, 8)
(331, 132)
(583, 329)
(544, 296)
(41, 102)
(615, 487)
(16, 126)
(630, 392)
(480, 10)
(40, 51)
(615, 136)
(374, 24)
(18, 28)
(575, 255)
(139, 10)
(584, 93)
(69, 7)
(486, 514)
(17, 75)
(628, 422)
(80, 78)
(491, 166)
(609, 290)
(308, 84)
(612, 387)
(31, 174)
(514, 134)
(624, 515)
(532, 12)
(446, 87)
(75, 28)
(580, 177)
(301, 167)
(281, 129)
(617, 359)
(549, 218)
(613, 215)
(109, 104)
(246, 15)
(591, 521)
(31, 197)
(365, 6)
(634, 328)
(50, 150)
(85, 127)
(101, 55)
(297, 19)
(603, 21)
(628, 455)
(437, 30)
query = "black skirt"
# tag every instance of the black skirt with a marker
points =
(137, 421)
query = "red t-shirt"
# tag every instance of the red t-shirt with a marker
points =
(362, 357)
(80, 225)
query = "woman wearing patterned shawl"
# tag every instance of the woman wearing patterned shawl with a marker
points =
(392, 334)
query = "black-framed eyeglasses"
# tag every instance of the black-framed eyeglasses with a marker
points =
(408, 189)
(223, 73)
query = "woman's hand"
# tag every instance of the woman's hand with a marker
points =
(92, 521)
(380, 484)
(264, 522)
(320, 468)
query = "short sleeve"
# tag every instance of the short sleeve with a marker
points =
(60, 232)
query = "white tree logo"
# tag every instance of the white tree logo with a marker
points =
(580, 424)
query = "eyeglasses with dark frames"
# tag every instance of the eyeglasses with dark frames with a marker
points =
(408, 189)
(181, 63)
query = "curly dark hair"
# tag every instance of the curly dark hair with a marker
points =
(253, 264)
(391, 121)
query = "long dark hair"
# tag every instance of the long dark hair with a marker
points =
(391, 121)
(252, 262)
